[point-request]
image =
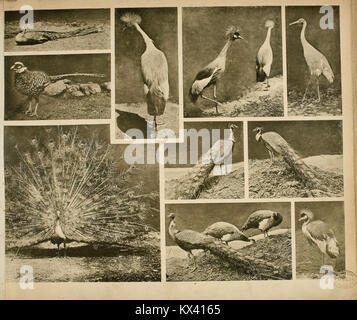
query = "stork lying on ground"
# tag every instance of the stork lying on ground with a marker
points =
(211, 73)
(315, 60)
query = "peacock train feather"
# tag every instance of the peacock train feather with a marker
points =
(69, 179)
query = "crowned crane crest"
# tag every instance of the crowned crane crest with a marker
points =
(62, 191)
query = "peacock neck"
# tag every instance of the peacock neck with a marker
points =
(172, 229)
(224, 50)
(231, 135)
(147, 39)
(258, 136)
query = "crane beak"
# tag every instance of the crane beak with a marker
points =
(12, 67)
(240, 37)
(295, 22)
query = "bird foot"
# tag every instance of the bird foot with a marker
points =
(33, 114)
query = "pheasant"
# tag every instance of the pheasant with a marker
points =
(263, 220)
(33, 83)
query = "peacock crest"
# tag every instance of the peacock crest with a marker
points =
(130, 19)
(60, 176)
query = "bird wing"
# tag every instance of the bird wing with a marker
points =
(256, 217)
(320, 230)
(219, 229)
(221, 150)
(190, 239)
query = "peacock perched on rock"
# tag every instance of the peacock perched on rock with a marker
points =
(67, 188)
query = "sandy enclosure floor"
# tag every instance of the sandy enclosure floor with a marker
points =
(85, 264)
(230, 186)
(53, 108)
(268, 180)
(169, 120)
(99, 41)
(276, 249)
(256, 102)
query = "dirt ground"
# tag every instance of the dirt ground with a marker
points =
(257, 102)
(276, 181)
(54, 108)
(330, 104)
(217, 187)
(85, 264)
(100, 40)
(275, 249)
(169, 120)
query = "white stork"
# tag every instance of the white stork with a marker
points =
(265, 56)
(210, 74)
(315, 60)
(154, 69)
(319, 234)
(263, 220)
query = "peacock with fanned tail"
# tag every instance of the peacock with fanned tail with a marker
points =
(62, 190)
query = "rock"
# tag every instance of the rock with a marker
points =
(75, 90)
(56, 88)
(106, 86)
(90, 88)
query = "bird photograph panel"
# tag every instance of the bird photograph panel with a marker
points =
(146, 69)
(320, 238)
(228, 241)
(55, 30)
(209, 164)
(313, 62)
(75, 210)
(53, 87)
(295, 159)
(232, 61)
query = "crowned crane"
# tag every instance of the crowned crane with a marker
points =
(225, 231)
(315, 60)
(263, 220)
(319, 234)
(188, 240)
(154, 70)
(210, 74)
(265, 56)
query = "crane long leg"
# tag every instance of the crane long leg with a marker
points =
(307, 87)
(318, 89)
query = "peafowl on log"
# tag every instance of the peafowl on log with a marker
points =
(277, 145)
(62, 190)
(189, 240)
(190, 185)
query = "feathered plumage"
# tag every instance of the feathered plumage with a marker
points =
(225, 231)
(319, 234)
(264, 58)
(263, 220)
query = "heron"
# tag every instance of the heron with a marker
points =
(213, 71)
(265, 56)
(319, 234)
(154, 69)
(315, 60)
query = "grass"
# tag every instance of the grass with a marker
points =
(276, 181)
(54, 108)
(330, 104)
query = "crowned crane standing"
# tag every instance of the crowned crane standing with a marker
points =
(210, 74)
(154, 70)
(265, 56)
(315, 60)
(319, 234)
